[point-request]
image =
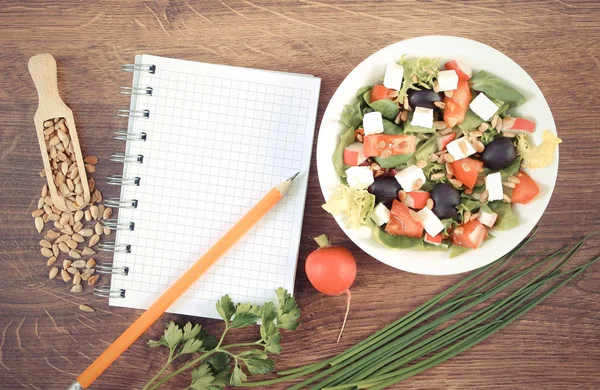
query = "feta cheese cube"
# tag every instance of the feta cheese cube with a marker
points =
(422, 117)
(447, 80)
(380, 214)
(488, 219)
(431, 223)
(409, 177)
(373, 123)
(483, 107)
(493, 185)
(359, 177)
(460, 148)
(394, 74)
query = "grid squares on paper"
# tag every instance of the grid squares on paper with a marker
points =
(215, 147)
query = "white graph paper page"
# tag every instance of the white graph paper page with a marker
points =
(218, 138)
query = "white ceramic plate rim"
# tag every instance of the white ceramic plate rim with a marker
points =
(480, 57)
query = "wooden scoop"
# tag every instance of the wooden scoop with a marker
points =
(42, 68)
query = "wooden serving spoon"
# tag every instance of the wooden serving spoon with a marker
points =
(42, 68)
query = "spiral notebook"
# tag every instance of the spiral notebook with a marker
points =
(204, 143)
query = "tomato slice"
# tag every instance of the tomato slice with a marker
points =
(389, 144)
(472, 235)
(466, 170)
(404, 222)
(380, 92)
(457, 105)
(525, 190)
(463, 70)
(444, 140)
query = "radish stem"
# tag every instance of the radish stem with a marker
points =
(322, 240)
(346, 316)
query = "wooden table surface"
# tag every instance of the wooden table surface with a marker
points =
(45, 341)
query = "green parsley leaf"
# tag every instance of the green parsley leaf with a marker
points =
(157, 343)
(237, 377)
(248, 308)
(202, 378)
(257, 353)
(218, 361)
(191, 346)
(221, 379)
(173, 335)
(272, 344)
(242, 320)
(190, 332)
(225, 308)
(288, 312)
(258, 366)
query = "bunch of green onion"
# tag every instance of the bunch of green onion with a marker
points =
(432, 333)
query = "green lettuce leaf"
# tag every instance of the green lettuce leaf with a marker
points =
(390, 127)
(426, 70)
(495, 88)
(392, 161)
(506, 218)
(397, 242)
(457, 250)
(352, 115)
(512, 169)
(388, 108)
(346, 138)
(428, 147)
(471, 121)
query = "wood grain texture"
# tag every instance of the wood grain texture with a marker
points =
(45, 341)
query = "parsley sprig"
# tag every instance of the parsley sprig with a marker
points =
(217, 365)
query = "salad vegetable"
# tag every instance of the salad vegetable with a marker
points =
(445, 154)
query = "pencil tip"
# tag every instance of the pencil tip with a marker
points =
(293, 177)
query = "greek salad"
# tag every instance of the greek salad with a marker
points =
(432, 159)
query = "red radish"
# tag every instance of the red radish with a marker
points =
(463, 70)
(331, 270)
(435, 240)
(353, 154)
(416, 199)
(519, 125)
(444, 140)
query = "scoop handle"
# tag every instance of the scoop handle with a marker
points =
(42, 68)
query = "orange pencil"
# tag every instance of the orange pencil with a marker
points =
(136, 329)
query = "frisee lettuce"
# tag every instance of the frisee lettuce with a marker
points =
(346, 138)
(426, 70)
(356, 205)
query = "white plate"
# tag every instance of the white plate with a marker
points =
(479, 57)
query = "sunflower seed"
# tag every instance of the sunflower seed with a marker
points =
(85, 275)
(86, 308)
(440, 105)
(456, 183)
(91, 263)
(465, 167)
(448, 157)
(77, 287)
(449, 170)
(87, 232)
(404, 116)
(63, 247)
(77, 238)
(72, 244)
(508, 184)
(94, 240)
(478, 146)
(405, 104)
(507, 198)
(466, 216)
(421, 164)
(45, 244)
(417, 185)
(39, 224)
(72, 270)
(495, 121)
(513, 179)
(78, 263)
(53, 272)
(77, 278)
(445, 131)
(48, 123)
(437, 176)
(458, 230)
(484, 196)
(475, 216)
(65, 275)
(74, 254)
(93, 280)
(402, 194)
(107, 231)
(78, 215)
(51, 235)
(483, 127)
(88, 251)
(66, 263)
(91, 160)
(88, 215)
(46, 252)
(436, 86)
(430, 204)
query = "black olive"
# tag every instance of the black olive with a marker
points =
(385, 189)
(424, 98)
(445, 199)
(499, 153)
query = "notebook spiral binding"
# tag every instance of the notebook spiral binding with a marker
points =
(114, 224)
